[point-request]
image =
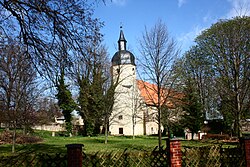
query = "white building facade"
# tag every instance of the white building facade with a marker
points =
(130, 112)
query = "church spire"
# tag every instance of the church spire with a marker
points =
(122, 41)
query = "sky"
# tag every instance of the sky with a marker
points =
(185, 19)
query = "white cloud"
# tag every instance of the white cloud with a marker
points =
(239, 8)
(181, 2)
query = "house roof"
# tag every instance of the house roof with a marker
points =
(149, 94)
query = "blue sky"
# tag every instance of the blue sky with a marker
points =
(185, 19)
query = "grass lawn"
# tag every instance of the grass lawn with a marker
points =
(91, 144)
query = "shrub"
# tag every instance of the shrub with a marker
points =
(216, 136)
(6, 138)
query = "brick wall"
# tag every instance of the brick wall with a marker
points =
(174, 153)
(74, 152)
(246, 145)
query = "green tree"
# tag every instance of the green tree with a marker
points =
(91, 100)
(91, 77)
(194, 80)
(65, 101)
(193, 117)
(227, 44)
(197, 67)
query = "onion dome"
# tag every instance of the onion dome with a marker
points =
(122, 56)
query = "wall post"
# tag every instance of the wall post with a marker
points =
(74, 152)
(174, 153)
(245, 142)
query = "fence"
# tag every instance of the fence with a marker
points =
(30, 159)
(104, 159)
(213, 156)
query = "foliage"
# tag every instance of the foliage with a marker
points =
(193, 118)
(218, 126)
(226, 43)
(218, 67)
(178, 130)
(92, 81)
(6, 138)
(65, 102)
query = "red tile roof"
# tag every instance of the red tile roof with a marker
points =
(149, 91)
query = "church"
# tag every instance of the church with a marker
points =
(133, 111)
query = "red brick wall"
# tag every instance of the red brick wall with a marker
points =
(247, 151)
(74, 155)
(175, 153)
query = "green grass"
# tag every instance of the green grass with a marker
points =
(92, 144)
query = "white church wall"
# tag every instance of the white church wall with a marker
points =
(124, 96)
(128, 102)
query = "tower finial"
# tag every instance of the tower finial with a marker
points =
(122, 41)
(121, 25)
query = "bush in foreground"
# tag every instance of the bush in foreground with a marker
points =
(6, 138)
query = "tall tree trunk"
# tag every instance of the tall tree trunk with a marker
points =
(106, 131)
(159, 127)
(133, 119)
(237, 99)
(14, 138)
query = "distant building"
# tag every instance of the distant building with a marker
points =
(134, 111)
(60, 120)
(77, 120)
(59, 123)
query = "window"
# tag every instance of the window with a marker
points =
(120, 117)
(133, 69)
(121, 131)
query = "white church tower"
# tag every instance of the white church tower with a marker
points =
(124, 70)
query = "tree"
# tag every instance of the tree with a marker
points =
(42, 25)
(172, 115)
(137, 106)
(193, 118)
(197, 68)
(158, 52)
(227, 44)
(109, 99)
(65, 102)
(51, 31)
(91, 76)
(46, 110)
(17, 85)
(196, 81)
